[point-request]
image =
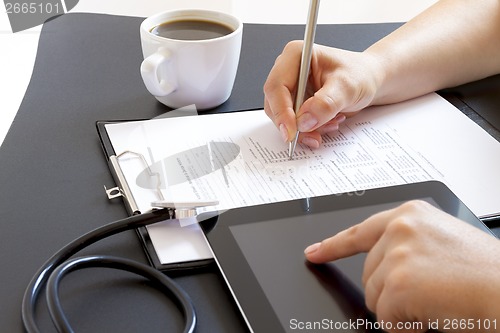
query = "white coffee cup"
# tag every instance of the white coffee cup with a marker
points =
(184, 72)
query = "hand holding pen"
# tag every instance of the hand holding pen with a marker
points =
(340, 83)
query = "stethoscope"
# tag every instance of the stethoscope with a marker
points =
(60, 265)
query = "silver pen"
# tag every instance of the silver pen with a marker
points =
(305, 63)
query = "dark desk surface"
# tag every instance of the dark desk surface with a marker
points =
(52, 170)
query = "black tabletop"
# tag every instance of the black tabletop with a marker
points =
(52, 169)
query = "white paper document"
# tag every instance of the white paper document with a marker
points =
(240, 159)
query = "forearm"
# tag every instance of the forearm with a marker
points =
(452, 42)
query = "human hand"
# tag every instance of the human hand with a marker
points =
(423, 266)
(341, 83)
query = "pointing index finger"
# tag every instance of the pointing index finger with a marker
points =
(356, 239)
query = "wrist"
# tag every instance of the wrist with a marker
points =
(380, 75)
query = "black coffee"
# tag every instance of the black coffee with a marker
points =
(191, 30)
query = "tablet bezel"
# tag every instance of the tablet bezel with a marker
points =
(243, 284)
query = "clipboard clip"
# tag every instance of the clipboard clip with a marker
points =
(178, 210)
(122, 189)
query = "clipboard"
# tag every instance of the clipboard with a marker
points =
(122, 191)
(241, 161)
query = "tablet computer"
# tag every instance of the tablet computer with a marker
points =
(259, 250)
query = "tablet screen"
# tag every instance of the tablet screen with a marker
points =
(304, 296)
(260, 252)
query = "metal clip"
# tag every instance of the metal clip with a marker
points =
(179, 210)
(183, 209)
(114, 192)
(123, 190)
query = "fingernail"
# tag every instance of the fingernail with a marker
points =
(284, 132)
(340, 118)
(313, 143)
(330, 128)
(306, 122)
(312, 248)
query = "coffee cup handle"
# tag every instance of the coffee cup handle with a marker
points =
(149, 71)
